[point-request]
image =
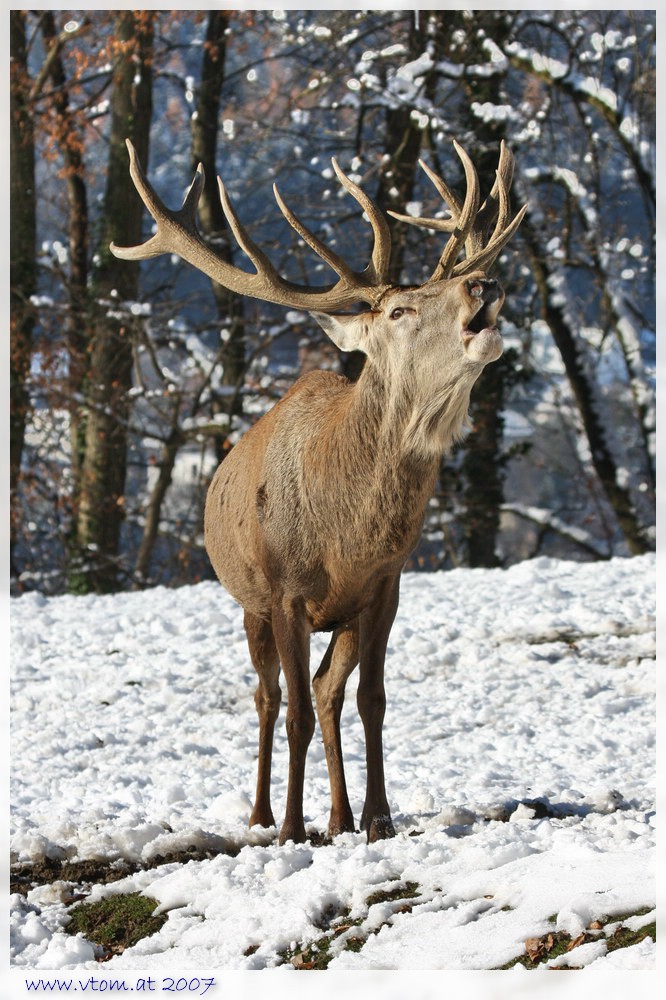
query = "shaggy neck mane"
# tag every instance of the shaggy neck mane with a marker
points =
(418, 424)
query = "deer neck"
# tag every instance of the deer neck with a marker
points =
(418, 419)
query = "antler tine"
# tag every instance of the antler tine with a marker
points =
(441, 225)
(460, 224)
(177, 233)
(327, 255)
(469, 224)
(465, 220)
(184, 218)
(377, 271)
(489, 210)
(481, 250)
(378, 268)
(242, 237)
(486, 257)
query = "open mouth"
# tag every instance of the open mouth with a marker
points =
(485, 301)
(482, 341)
(484, 321)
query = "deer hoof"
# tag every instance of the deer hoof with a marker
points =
(343, 825)
(262, 818)
(380, 828)
(295, 833)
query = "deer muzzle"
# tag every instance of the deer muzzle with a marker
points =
(481, 339)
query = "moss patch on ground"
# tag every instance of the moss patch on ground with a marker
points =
(24, 876)
(540, 951)
(117, 922)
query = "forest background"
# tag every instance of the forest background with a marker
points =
(129, 383)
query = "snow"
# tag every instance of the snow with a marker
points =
(520, 762)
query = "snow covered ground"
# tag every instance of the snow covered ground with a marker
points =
(134, 735)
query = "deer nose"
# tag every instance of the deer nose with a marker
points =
(486, 289)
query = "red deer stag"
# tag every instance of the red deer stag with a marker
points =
(311, 517)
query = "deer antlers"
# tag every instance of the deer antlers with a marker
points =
(470, 225)
(177, 233)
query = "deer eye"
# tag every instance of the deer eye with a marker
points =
(397, 312)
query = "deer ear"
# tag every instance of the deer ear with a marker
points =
(346, 331)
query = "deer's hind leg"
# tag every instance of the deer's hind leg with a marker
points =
(265, 660)
(329, 686)
(375, 626)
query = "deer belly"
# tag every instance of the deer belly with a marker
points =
(323, 619)
(348, 596)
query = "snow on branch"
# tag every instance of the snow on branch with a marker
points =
(548, 520)
(590, 90)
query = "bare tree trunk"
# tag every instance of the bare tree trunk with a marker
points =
(70, 141)
(154, 510)
(584, 395)
(101, 507)
(205, 134)
(482, 468)
(22, 242)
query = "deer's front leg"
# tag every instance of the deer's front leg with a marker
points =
(292, 637)
(265, 660)
(375, 627)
